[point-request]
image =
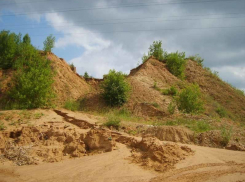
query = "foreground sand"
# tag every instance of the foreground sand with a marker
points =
(208, 164)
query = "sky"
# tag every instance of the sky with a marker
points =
(99, 35)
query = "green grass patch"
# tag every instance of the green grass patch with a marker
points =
(2, 126)
(194, 125)
(113, 121)
(72, 105)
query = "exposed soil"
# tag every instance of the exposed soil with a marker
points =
(44, 152)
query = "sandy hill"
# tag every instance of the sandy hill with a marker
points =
(67, 83)
(147, 101)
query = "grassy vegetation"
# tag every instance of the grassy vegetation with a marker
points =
(72, 105)
(197, 59)
(222, 112)
(113, 121)
(194, 125)
(2, 126)
(171, 107)
(226, 135)
(170, 91)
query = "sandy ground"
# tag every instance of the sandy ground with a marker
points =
(208, 164)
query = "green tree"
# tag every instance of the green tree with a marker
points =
(86, 75)
(189, 99)
(176, 64)
(115, 88)
(32, 81)
(9, 46)
(49, 43)
(155, 50)
(27, 39)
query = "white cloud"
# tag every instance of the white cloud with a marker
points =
(75, 35)
(234, 75)
(100, 55)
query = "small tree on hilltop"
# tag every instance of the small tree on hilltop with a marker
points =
(115, 88)
(49, 43)
(86, 75)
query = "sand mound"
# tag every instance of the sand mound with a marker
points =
(151, 153)
(33, 145)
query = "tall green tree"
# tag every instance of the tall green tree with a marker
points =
(27, 39)
(9, 46)
(49, 43)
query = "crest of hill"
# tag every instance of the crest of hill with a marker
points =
(144, 98)
(68, 85)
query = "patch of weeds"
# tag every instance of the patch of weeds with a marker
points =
(226, 135)
(200, 126)
(71, 105)
(38, 115)
(197, 59)
(13, 123)
(171, 91)
(194, 125)
(132, 132)
(7, 118)
(25, 114)
(156, 87)
(156, 105)
(171, 107)
(2, 126)
(113, 121)
(221, 111)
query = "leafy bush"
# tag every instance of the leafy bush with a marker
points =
(176, 64)
(189, 100)
(113, 121)
(155, 50)
(49, 43)
(115, 88)
(72, 105)
(197, 59)
(171, 91)
(221, 111)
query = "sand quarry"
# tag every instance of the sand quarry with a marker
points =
(61, 145)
